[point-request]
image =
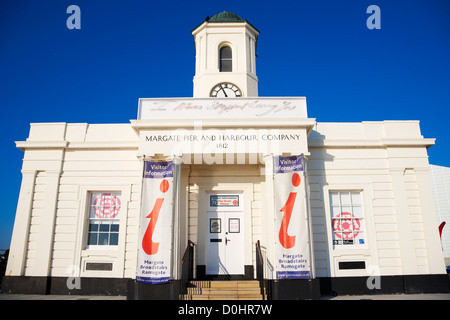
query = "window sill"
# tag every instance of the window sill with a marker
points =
(112, 252)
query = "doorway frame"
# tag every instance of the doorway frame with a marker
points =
(218, 186)
(224, 213)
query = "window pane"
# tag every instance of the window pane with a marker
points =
(225, 58)
(226, 66)
(357, 211)
(103, 239)
(225, 53)
(93, 226)
(94, 196)
(92, 207)
(104, 226)
(347, 209)
(360, 238)
(335, 210)
(114, 227)
(345, 198)
(114, 239)
(334, 197)
(92, 239)
(356, 198)
(361, 225)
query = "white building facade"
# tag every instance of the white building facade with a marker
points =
(440, 186)
(367, 203)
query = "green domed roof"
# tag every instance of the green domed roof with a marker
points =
(225, 16)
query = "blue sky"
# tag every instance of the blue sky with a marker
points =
(125, 50)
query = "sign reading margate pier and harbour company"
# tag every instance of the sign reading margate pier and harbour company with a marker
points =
(227, 126)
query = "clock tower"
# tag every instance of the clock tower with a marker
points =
(225, 47)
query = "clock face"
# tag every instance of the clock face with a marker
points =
(225, 90)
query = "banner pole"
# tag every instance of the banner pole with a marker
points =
(274, 213)
(175, 218)
(309, 220)
(140, 208)
(271, 219)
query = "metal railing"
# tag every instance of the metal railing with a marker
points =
(260, 274)
(187, 266)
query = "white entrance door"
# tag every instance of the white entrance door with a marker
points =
(225, 234)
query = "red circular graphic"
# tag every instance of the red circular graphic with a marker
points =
(107, 205)
(235, 203)
(164, 186)
(296, 179)
(346, 226)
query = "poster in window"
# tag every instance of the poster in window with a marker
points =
(105, 205)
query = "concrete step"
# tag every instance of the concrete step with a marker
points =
(220, 297)
(223, 290)
(221, 284)
(195, 289)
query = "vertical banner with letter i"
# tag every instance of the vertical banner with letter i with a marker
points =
(155, 225)
(291, 224)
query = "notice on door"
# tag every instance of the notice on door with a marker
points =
(234, 225)
(220, 200)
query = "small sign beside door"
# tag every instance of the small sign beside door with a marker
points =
(221, 200)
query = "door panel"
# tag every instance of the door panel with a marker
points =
(225, 239)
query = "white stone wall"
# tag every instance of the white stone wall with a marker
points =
(440, 184)
(62, 164)
(387, 161)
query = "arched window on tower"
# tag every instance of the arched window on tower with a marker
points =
(226, 60)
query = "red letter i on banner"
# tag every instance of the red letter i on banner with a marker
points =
(286, 240)
(148, 245)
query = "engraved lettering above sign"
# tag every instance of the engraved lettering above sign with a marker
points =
(225, 108)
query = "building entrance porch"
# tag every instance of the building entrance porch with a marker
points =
(224, 219)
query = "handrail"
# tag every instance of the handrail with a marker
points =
(260, 268)
(189, 245)
(258, 246)
(187, 266)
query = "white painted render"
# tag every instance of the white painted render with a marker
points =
(209, 38)
(386, 160)
(440, 185)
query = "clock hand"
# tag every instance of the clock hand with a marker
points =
(224, 91)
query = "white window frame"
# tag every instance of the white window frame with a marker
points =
(110, 220)
(98, 254)
(361, 218)
(221, 47)
(366, 252)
